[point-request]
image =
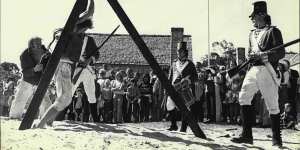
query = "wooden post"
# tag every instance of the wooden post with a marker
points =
(48, 73)
(155, 67)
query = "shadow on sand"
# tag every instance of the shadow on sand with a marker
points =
(115, 128)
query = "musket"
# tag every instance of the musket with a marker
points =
(235, 70)
(77, 74)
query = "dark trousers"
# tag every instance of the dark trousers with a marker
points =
(89, 109)
(4, 110)
(126, 118)
(194, 111)
(197, 110)
(145, 108)
(85, 110)
(67, 113)
(225, 111)
(108, 111)
(173, 117)
(133, 111)
(234, 111)
(211, 106)
(156, 111)
(78, 112)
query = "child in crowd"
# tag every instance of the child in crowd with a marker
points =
(118, 92)
(132, 95)
(146, 95)
(232, 98)
(8, 94)
(78, 104)
(107, 100)
(284, 85)
(287, 119)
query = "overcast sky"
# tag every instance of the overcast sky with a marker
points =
(23, 19)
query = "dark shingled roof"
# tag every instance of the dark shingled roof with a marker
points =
(121, 49)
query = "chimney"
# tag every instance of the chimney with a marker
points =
(176, 37)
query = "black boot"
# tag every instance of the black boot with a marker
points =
(184, 125)
(172, 116)
(275, 124)
(248, 115)
(93, 108)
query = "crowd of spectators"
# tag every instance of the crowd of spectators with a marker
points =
(128, 96)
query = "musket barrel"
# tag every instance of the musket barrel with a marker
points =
(233, 71)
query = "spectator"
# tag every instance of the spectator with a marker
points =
(298, 101)
(118, 88)
(210, 96)
(127, 75)
(292, 88)
(157, 98)
(234, 106)
(8, 94)
(133, 96)
(146, 95)
(102, 77)
(52, 92)
(223, 89)
(284, 84)
(107, 98)
(287, 119)
(199, 97)
(78, 103)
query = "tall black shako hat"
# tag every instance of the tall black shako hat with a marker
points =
(260, 7)
(182, 47)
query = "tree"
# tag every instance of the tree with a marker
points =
(227, 49)
(10, 67)
(9, 70)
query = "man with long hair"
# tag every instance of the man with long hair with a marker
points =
(77, 51)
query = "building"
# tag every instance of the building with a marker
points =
(120, 51)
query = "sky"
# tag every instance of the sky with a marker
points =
(227, 20)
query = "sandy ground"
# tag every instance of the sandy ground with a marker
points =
(89, 136)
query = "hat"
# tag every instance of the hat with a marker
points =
(85, 23)
(221, 67)
(285, 63)
(259, 7)
(181, 46)
(102, 71)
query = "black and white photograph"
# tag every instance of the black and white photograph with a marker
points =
(149, 74)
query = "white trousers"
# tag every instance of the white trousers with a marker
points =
(23, 98)
(63, 86)
(259, 78)
(87, 77)
(170, 104)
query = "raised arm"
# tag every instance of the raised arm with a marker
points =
(87, 14)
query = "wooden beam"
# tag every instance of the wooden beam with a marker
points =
(155, 67)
